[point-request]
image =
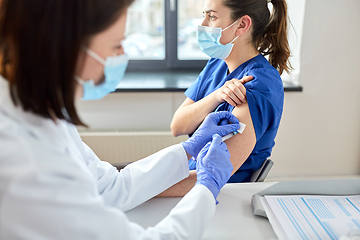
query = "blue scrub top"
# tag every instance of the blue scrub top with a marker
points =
(265, 97)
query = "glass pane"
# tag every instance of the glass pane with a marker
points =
(145, 30)
(189, 17)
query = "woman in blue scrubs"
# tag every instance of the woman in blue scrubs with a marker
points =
(237, 35)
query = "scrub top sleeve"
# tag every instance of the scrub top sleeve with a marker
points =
(258, 113)
(265, 101)
(194, 92)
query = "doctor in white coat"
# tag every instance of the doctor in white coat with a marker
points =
(52, 185)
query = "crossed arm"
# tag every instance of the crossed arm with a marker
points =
(190, 115)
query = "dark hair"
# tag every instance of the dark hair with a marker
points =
(40, 41)
(269, 30)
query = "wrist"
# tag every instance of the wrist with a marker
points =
(216, 96)
(188, 155)
(211, 185)
(189, 149)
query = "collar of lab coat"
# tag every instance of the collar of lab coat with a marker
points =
(39, 128)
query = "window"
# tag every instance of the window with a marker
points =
(189, 17)
(145, 30)
(161, 35)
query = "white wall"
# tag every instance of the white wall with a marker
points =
(320, 130)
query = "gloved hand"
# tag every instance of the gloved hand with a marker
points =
(213, 166)
(210, 126)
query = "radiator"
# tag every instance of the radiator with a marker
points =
(128, 146)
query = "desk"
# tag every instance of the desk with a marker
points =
(233, 219)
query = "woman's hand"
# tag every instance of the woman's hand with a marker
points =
(233, 91)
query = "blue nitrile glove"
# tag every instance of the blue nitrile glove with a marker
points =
(213, 166)
(209, 127)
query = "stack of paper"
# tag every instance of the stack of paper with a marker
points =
(312, 217)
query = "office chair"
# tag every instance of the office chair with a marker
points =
(260, 174)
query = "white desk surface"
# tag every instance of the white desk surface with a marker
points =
(233, 219)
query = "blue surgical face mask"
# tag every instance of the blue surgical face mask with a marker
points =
(114, 70)
(209, 42)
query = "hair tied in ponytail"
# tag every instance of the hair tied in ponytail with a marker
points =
(269, 23)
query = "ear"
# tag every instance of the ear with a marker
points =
(244, 25)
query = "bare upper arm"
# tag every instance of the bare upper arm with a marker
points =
(241, 145)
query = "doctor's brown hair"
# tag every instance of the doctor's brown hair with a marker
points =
(40, 41)
(269, 30)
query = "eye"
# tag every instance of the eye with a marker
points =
(212, 18)
(120, 45)
(117, 47)
(208, 14)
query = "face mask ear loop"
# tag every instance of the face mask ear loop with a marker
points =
(234, 39)
(94, 55)
(230, 25)
(79, 80)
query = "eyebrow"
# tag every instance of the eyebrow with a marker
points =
(209, 11)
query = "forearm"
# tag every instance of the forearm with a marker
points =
(140, 179)
(190, 114)
(180, 188)
(240, 150)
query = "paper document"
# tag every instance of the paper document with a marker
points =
(312, 217)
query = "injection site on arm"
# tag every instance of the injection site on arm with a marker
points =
(240, 130)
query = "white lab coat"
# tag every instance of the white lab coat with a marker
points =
(52, 185)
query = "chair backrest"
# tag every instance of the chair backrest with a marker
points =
(260, 174)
